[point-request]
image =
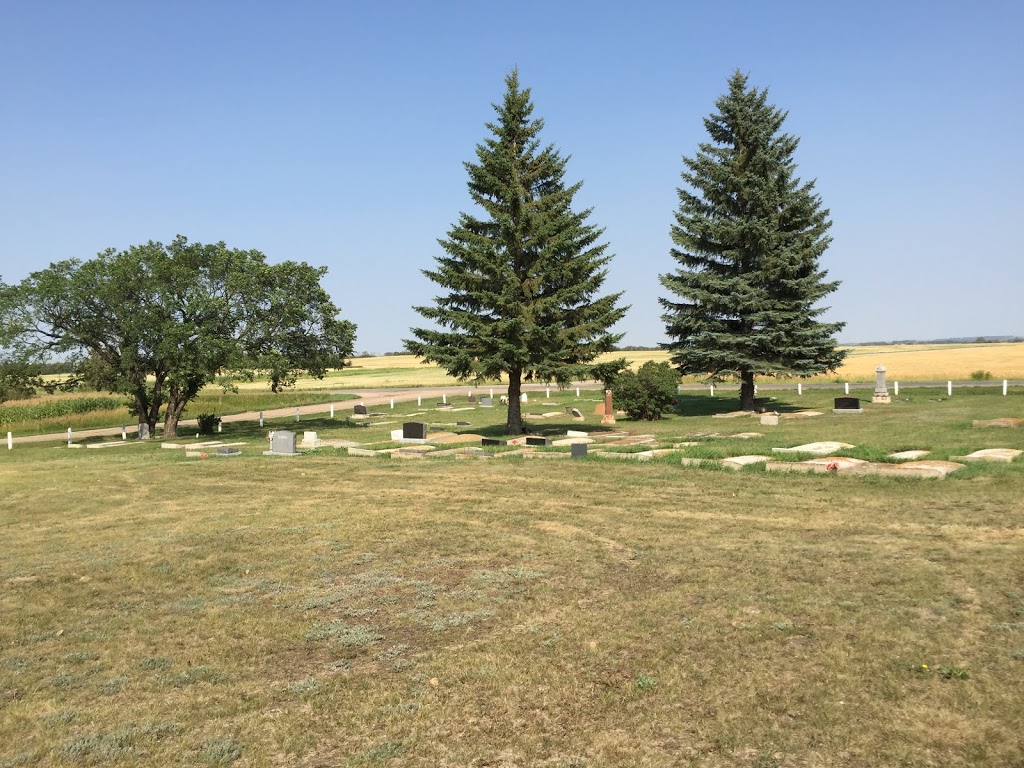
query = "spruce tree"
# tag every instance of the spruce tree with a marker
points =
(748, 237)
(521, 274)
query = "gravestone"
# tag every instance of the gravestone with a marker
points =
(881, 394)
(609, 410)
(578, 450)
(576, 413)
(538, 441)
(847, 405)
(227, 450)
(310, 439)
(486, 402)
(359, 410)
(769, 419)
(491, 441)
(283, 443)
(414, 430)
(471, 399)
(143, 431)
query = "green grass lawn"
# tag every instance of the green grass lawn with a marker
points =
(331, 610)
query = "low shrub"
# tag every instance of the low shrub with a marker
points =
(207, 423)
(647, 393)
(981, 375)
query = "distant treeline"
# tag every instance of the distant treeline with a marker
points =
(958, 340)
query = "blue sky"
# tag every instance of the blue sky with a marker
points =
(335, 132)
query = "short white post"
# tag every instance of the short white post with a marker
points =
(492, 391)
(392, 403)
(332, 412)
(755, 389)
(124, 432)
(847, 387)
(896, 388)
(949, 389)
(220, 427)
(1004, 387)
(419, 401)
(712, 389)
(547, 393)
(296, 414)
(525, 398)
(444, 398)
(261, 418)
(69, 437)
(10, 441)
(577, 392)
(469, 392)
(799, 388)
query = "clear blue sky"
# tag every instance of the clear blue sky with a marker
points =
(335, 132)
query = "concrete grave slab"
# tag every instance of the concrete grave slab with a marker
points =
(909, 455)
(800, 414)
(450, 439)
(733, 414)
(1005, 455)
(687, 444)
(930, 468)
(820, 449)
(769, 419)
(353, 451)
(738, 462)
(573, 441)
(747, 435)
(118, 444)
(576, 433)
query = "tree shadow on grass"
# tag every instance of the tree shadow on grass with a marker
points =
(705, 405)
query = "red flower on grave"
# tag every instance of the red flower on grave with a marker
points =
(833, 466)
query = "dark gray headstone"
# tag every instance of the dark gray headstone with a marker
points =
(143, 431)
(461, 423)
(576, 413)
(491, 441)
(443, 405)
(578, 450)
(847, 403)
(538, 441)
(359, 410)
(414, 430)
(227, 450)
(283, 442)
(471, 399)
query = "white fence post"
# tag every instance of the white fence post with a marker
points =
(847, 387)
(799, 388)
(10, 441)
(1004, 387)
(949, 389)
(896, 388)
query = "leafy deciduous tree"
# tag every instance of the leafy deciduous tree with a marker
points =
(159, 322)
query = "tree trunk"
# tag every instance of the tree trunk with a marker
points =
(175, 407)
(514, 424)
(747, 391)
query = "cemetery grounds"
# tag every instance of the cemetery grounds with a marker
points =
(161, 609)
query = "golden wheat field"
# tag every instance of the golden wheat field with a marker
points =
(903, 362)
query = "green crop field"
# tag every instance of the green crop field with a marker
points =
(330, 610)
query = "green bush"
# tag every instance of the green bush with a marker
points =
(207, 423)
(647, 393)
(980, 375)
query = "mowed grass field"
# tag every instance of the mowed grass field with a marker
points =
(330, 610)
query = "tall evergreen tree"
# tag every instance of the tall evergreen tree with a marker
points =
(521, 278)
(749, 235)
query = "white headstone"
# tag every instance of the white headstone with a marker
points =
(525, 398)
(124, 432)
(261, 418)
